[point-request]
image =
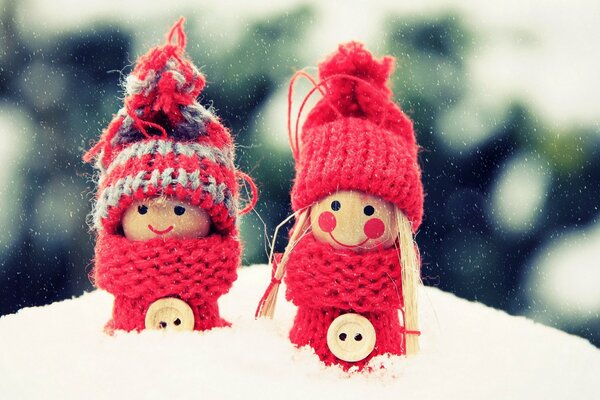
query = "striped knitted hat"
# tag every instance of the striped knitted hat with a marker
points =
(357, 138)
(163, 142)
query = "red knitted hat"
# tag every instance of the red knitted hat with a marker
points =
(163, 142)
(357, 138)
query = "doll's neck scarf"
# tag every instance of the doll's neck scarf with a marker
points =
(192, 269)
(319, 276)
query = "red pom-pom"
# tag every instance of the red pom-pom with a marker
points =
(356, 84)
(353, 59)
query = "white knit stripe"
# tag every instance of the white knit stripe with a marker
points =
(164, 147)
(128, 185)
(135, 85)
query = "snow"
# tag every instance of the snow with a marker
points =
(469, 351)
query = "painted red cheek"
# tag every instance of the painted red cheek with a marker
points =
(327, 221)
(374, 228)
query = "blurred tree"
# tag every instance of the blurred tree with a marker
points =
(67, 86)
(62, 86)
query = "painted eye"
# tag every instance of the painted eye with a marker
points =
(179, 210)
(369, 210)
(335, 205)
(142, 209)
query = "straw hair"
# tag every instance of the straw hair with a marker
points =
(411, 280)
(266, 307)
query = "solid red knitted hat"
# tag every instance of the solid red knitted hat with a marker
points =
(163, 142)
(357, 138)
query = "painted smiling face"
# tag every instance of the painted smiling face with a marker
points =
(354, 220)
(163, 217)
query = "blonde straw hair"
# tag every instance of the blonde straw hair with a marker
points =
(266, 307)
(411, 281)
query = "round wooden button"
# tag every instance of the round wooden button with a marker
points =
(170, 314)
(351, 337)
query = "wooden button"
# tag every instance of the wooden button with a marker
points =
(351, 337)
(170, 314)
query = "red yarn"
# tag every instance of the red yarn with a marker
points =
(198, 271)
(320, 277)
(325, 283)
(357, 138)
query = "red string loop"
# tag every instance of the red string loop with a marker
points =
(177, 29)
(298, 74)
(254, 191)
(293, 138)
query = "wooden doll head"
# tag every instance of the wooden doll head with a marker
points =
(164, 217)
(354, 220)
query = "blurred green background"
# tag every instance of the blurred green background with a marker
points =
(504, 99)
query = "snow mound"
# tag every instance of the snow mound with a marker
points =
(469, 351)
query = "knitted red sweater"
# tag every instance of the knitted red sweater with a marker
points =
(325, 283)
(197, 271)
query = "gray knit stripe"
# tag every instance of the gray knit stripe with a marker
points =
(128, 185)
(193, 125)
(164, 147)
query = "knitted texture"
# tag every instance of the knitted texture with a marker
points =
(197, 271)
(357, 138)
(325, 283)
(163, 142)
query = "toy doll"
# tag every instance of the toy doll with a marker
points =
(167, 201)
(351, 264)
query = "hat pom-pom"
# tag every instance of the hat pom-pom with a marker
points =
(353, 59)
(356, 82)
(164, 79)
